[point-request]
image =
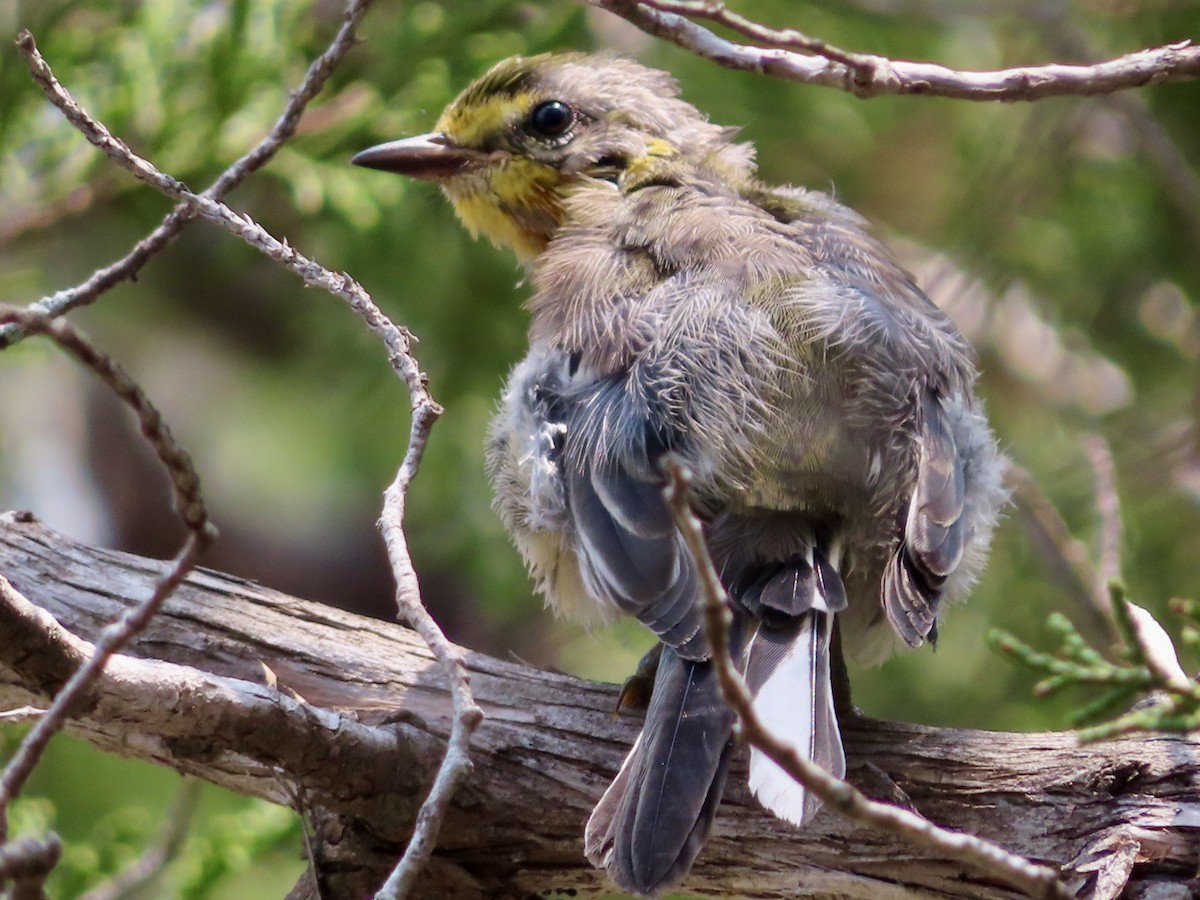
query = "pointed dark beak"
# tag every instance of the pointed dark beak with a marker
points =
(430, 157)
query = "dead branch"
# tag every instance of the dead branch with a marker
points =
(793, 56)
(360, 717)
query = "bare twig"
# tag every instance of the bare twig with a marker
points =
(1108, 507)
(26, 862)
(1068, 556)
(1034, 880)
(161, 852)
(861, 65)
(396, 338)
(285, 126)
(467, 715)
(867, 75)
(455, 765)
(190, 506)
(188, 502)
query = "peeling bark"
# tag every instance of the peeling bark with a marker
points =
(346, 718)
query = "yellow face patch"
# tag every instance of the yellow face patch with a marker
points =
(470, 125)
(522, 181)
(514, 200)
(657, 159)
(514, 203)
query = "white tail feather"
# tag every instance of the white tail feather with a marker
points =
(795, 703)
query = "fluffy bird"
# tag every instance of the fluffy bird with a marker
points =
(843, 469)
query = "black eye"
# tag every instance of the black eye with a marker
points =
(551, 118)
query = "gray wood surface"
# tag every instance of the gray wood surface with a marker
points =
(344, 717)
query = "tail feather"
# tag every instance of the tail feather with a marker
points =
(788, 675)
(654, 818)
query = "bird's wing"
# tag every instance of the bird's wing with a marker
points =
(935, 530)
(630, 553)
(632, 556)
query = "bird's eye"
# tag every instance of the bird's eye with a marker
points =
(551, 118)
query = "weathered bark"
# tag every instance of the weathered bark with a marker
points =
(345, 717)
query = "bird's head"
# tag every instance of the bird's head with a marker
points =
(513, 147)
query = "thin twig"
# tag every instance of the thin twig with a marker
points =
(128, 266)
(396, 338)
(26, 862)
(867, 75)
(1108, 508)
(190, 506)
(1035, 880)
(467, 715)
(186, 484)
(1068, 555)
(164, 849)
(860, 64)
(455, 766)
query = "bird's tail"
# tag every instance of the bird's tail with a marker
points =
(653, 820)
(788, 674)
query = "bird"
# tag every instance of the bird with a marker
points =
(845, 474)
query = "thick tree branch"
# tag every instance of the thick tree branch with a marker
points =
(364, 730)
(793, 56)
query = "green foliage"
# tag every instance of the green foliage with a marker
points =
(232, 842)
(107, 811)
(1136, 693)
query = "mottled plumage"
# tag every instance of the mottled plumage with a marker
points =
(843, 467)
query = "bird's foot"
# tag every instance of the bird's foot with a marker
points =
(636, 691)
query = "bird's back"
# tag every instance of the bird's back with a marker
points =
(818, 336)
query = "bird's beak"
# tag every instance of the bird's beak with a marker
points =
(430, 157)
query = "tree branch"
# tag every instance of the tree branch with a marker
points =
(361, 717)
(792, 56)
(456, 765)
(285, 126)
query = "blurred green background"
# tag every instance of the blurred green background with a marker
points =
(1064, 236)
